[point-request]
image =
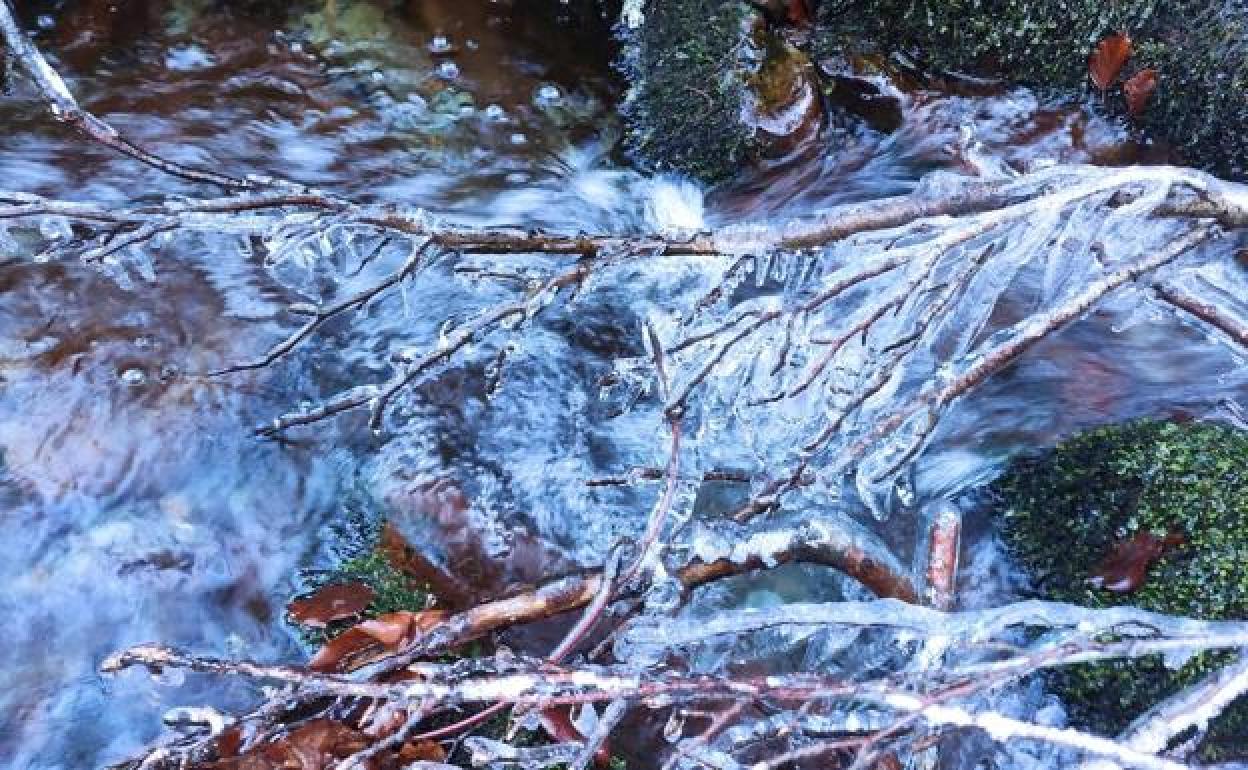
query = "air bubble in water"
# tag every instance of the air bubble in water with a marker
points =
(441, 44)
(548, 95)
(133, 378)
(447, 70)
(495, 112)
(518, 139)
(45, 21)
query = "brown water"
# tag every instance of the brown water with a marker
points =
(135, 502)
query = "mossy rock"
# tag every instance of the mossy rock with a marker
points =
(1063, 511)
(710, 84)
(1196, 46)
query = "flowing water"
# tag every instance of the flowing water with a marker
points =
(136, 504)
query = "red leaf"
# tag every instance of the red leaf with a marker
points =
(1138, 89)
(1106, 61)
(331, 603)
(800, 14)
(1125, 567)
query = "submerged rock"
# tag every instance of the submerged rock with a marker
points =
(1173, 497)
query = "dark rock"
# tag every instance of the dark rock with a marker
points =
(1195, 47)
(714, 87)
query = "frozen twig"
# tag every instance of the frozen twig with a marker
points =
(1202, 310)
(62, 105)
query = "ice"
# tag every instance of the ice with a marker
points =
(496, 754)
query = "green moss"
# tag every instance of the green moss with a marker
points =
(688, 64)
(1195, 45)
(1063, 510)
(393, 589)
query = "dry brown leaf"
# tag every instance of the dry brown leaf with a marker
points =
(314, 745)
(394, 628)
(384, 633)
(1138, 90)
(330, 603)
(318, 743)
(389, 629)
(339, 652)
(1107, 60)
(557, 722)
(229, 742)
(1125, 568)
(800, 14)
(426, 620)
(422, 751)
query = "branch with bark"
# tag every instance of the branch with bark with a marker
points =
(863, 325)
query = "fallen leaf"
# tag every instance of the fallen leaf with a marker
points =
(389, 629)
(366, 640)
(318, 744)
(426, 620)
(330, 603)
(422, 751)
(1138, 89)
(229, 742)
(1124, 569)
(338, 653)
(1107, 60)
(557, 722)
(800, 14)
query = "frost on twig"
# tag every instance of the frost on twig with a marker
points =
(827, 703)
(62, 105)
(795, 340)
(806, 363)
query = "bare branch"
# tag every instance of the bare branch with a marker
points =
(62, 105)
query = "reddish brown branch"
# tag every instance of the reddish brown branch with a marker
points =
(1204, 311)
(857, 554)
(943, 541)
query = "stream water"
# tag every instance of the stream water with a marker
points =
(137, 505)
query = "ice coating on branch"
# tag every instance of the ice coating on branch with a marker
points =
(645, 636)
(497, 754)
